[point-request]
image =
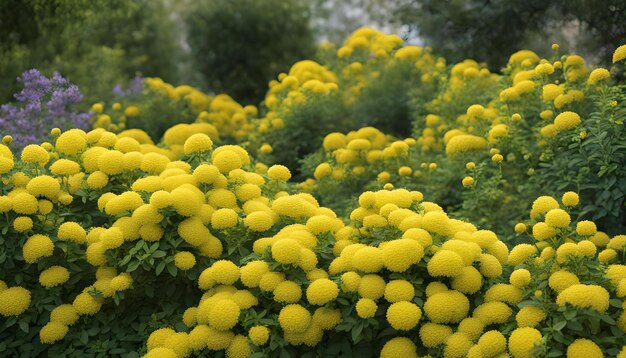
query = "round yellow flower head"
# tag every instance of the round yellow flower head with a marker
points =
(54, 276)
(279, 172)
(584, 296)
(259, 335)
(37, 247)
(403, 315)
(294, 318)
(447, 307)
(570, 198)
(522, 340)
(584, 348)
(567, 120)
(399, 347)
(184, 260)
(71, 142)
(558, 218)
(619, 54)
(52, 332)
(14, 301)
(322, 291)
(198, 143)
(530, 316)
(399, 290)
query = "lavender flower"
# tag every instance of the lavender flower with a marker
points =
(134, 88)
(44, 103)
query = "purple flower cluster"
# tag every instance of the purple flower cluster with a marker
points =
(134, 88)
(44, 103)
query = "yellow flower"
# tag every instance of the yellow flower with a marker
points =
(432, 334)
(570, 198)
(560, 280)
(542, 205)
(286, 251)
(279, 172)
(586, 228)
(583, 296)
(326, 318)
(522, 340)
(72, 231)
(529, 316)
(475, 110)
(399, 290)
(543, 231)
(492, 343)
(225, 272)
(52, 332)
(287, 292)
(65, 314)
(371, 286)
(366, 308)
(504, 293)
(558, 218)
(520, 278)
(294, 318)
(457, 345)
(567, 120)
(198, 143)
(493, 312)
(598, 75)
(45, 186)
(179, 343)
(33, 153)
(468, 181)
(224, 315)
(584, 348)
(399, 347)
(71, 142)
(619, 54)
(224, 219)
(463, 143)
(54, 276)
(403, 315)
(121, 282)
(157, 338)
(14, 301)
(22, 223)
(498, 158)
(131, 111)
(184, 260)
(85, 304)
(521, 253)
(252, 272)
(259, 335)
(447, 307)
(399, 255)
(226, 160)
(37, 247)
(322, 291)
(445, 263)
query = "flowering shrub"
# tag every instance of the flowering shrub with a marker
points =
(114, 245)
(541, 127)
(44, 103)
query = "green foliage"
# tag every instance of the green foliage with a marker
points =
(491, 30)
(94, 44)
(238, 46)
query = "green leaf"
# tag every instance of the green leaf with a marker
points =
(559, 325)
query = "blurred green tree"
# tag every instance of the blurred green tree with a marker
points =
(240, 45)
(491, 30)
(93, 43)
